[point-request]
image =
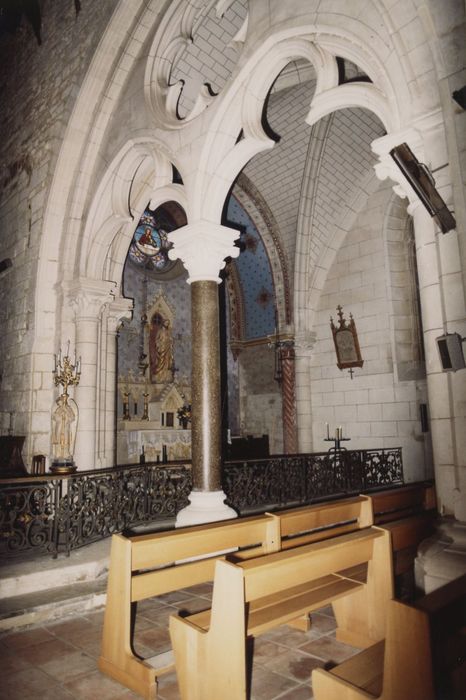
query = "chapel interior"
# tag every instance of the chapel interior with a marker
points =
(232, 284)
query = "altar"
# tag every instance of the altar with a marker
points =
(157, 429)
(145, 441)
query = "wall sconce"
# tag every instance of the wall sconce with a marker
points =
(422, 182)
(346, 342)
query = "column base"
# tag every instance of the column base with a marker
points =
(442, 557)
(205, 507)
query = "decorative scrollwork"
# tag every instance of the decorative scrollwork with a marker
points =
(286, 481)
(51, 514)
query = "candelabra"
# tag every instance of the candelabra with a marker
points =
(65, 416)
(337, 440)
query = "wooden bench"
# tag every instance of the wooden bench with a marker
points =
(422, 658)
(409, 513)
(253, 596)
(150, 565)
(145, 566)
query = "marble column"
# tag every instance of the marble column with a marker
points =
(203, 247)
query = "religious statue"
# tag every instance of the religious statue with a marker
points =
(65, 416)
(63, 431)
(161, 350)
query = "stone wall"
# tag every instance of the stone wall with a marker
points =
(378, 407)
(38, 88)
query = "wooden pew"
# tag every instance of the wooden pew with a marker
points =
(149, 565)
(422, 657)
(308, 524)
(253, 596)
(409, 513)
(159, 554)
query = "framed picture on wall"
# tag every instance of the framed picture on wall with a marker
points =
(346, 342)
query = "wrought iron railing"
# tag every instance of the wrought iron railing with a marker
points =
(290, 480)
(59, 513)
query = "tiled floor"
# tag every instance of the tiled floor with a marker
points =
(59, 660)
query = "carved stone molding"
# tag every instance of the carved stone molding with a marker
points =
(88, 297)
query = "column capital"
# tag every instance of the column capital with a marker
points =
(387, 168)
(304, 343)
(203, 246)
(88, 296)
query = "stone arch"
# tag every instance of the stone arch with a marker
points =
(72, 225)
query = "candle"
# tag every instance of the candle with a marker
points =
(54, 362)
(336, 434)
(340, 432)
(328, 434)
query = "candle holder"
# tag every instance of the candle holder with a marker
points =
(65, 416)
(337, 440)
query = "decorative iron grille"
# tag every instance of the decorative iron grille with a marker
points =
(59, 513)
(282, 481)
(52, 514)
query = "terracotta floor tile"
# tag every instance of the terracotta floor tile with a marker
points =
(20, 640)
(40, 654)
(287, 636)
(267, 685)
(301, 692)
(156, 639)
(328, 649)
(294, 664)
(266, 649)
(72, 629)
(321, 624)
(71, 666)
(193, 605)
(96, 686)
(201, 589)
(12, 661)
(174, 597)
(160, 617)
(28, 683)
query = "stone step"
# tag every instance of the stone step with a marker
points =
(52, 604)
(35, 574)
(39, 589)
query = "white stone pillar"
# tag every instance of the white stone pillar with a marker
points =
(118, 310)
(442, 297)
(203, 247)
(304, 342)
(88, 297)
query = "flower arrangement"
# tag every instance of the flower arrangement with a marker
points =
(184, 414)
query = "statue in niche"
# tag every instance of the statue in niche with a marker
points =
(161, 350)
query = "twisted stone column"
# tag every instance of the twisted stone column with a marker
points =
(290, 431)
